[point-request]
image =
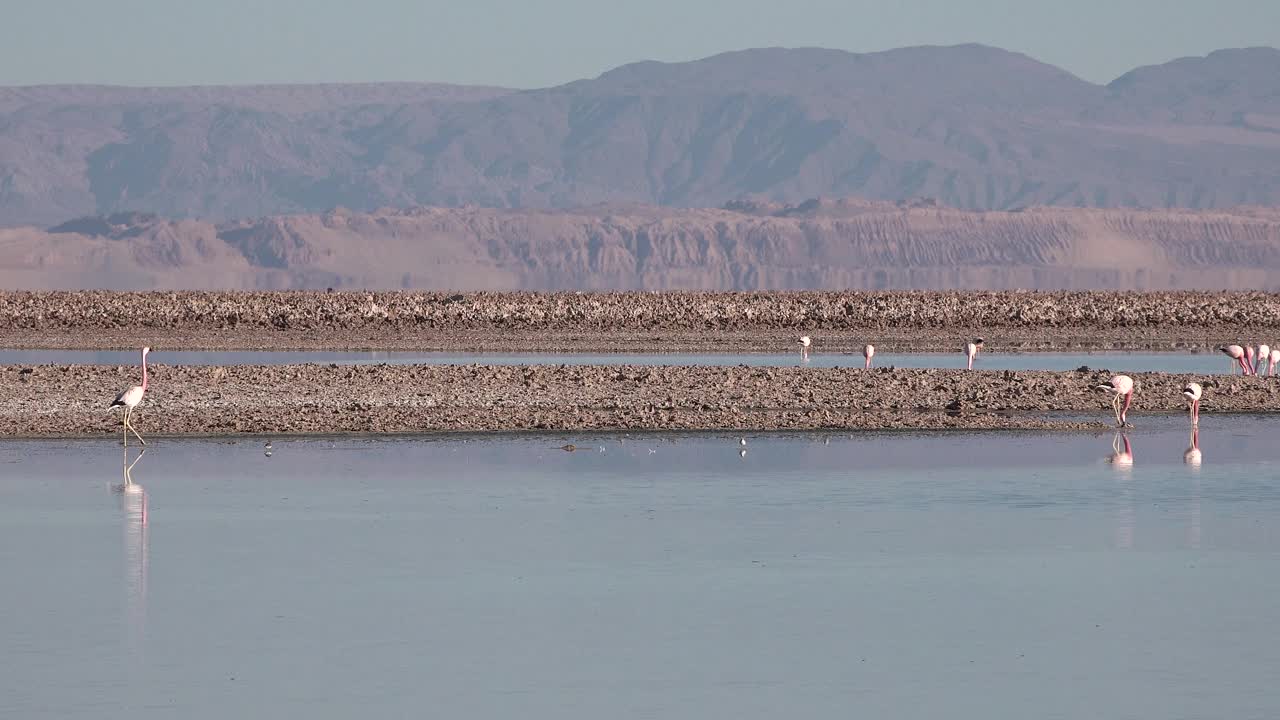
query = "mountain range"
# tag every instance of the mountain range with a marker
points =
(973, 127)
(746, 245)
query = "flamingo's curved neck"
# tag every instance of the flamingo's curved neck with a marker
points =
(144, 371)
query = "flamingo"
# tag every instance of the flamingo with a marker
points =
(1236, 353)
(1119, 386)
(972, 349)
(1264, 353)
(1272, 360)
(1192, 392)
(130, 398)
(868, 352)
(805, 342)
(1248, 359)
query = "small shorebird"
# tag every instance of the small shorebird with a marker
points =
(1264, 354)
(868, 352)
(805, 342)
(971, 350)
(1192, 392)
(1236, 353)
(1120, 386)
(130, 398)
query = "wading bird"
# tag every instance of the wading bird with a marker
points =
(868, 352)
(1120, 386)
(805, 342)
(130, 398)
(1272, 360)
(1236, 353)
(1192, 392)
(1248, 360)
(1264, 354)
(971, 350)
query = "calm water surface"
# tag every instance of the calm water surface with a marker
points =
(1135, 362)
(816, 576)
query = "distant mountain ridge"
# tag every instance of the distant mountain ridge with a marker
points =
(973, 126)
(748, 245)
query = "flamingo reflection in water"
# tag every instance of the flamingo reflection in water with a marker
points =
(134, 503)
(1192, 457)
(1121, 458)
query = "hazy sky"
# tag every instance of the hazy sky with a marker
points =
(546, 42)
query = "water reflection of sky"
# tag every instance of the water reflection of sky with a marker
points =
(905, 574)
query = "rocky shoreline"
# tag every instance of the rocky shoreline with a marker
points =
(66, 401)
(635, 321)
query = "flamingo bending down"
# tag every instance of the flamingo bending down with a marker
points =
(1236, 353)
(868, 352)
(972, 349)
(1272, 360)
(1248, 360)
(1192, 392)
(1264, 353)
(1120, 386)
(130, 398)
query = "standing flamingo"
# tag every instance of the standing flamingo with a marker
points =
(1272, 360)
(1192, 392)
(868, 352)
(130, 398)
(1248, 360)
(805, 342)
(1236, 353)
(971, 350)
(1120, 386)
(1264, 353)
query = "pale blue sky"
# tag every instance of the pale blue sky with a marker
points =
(537, 43)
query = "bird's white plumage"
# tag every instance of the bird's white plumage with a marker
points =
(1120, 385)
(129, 398)
(1192, 391)
(805, 341)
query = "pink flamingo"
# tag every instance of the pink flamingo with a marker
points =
(868, 352)
(1193, 392)
(130, 398)
(805, 342)
(971, 350)
(1236, 353)
(1272, 359)
(1264, 353)
(1248, 360)
(1120, 386)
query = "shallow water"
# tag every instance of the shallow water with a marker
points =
(965, 575)
(1205, 363)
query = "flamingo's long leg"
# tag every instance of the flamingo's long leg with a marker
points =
(129, 426)
(125, 427)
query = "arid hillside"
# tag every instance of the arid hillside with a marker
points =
(843, 244)
(975, 127)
